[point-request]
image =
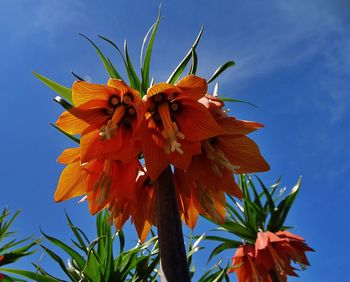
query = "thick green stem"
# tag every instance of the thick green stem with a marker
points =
(171, 242)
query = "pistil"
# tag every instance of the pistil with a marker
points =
(171, 132)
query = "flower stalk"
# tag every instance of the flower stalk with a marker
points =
(170, 236)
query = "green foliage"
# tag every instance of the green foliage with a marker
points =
(259, 209)
(65, 92)
(96, 261)
(10, 249)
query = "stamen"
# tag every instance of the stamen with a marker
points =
(127, 99)
(107, 131)
(158, 97)
(114, 100)
(171, 132)
(174, 107)
(131, 111)
(218, 158)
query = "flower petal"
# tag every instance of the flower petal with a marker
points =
(193, 86)
(75, 121)
(69, 155)
(83, 92)
(72, 182)
(196, 122)
(243, 152)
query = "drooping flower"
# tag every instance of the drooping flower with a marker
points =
(210, 173)
(102, 180)
(175, 124)
(270, 259)
(106, 117)
(245, 266)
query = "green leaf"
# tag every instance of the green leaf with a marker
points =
(279, 215)
(181, 67)
(63, 103)
(111, 70)
(221, 69)
(74, 254)
(65, 92)
(226, 99)
(145, 63)
(72, 137)
(194, 64)
(134, 80)
(29, 274)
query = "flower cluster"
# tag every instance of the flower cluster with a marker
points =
(270, 259)
(126, 141)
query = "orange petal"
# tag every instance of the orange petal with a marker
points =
(183, 161)
(75, 121)
(92, 147)
(119, 84)
(235, 126)
(72, 182)
(196, 122)
(83, 92)
(193, 86)
(69, 155)
(242, 151)
(162, 87)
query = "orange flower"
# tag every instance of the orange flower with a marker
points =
(210, 173)
(245, 266)
(275, 251)
(232, 150)
(107, 117)
(102, 180)
(175, 124)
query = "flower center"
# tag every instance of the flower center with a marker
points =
(107, 131)
(218, 159)
(171, 132)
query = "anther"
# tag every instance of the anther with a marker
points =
(131, 111)
(114, 100)
(174, 107)
(158, 98)
(127, 99)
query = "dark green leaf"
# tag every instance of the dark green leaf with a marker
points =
(65, 92)
(180, 68)
(221, 69)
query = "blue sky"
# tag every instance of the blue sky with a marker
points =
(293, 61)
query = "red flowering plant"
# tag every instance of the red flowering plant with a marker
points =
(267, 250)
(153, 152)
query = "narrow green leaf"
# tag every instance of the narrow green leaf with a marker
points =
(225, 99)
(75, 255)
(105, 62)
(29, 274)
(135, 82)
(194, 63)
(221, 69)
(180, 68)
(145, 64)
(72, 137)
(63, 103)
(65, 92)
